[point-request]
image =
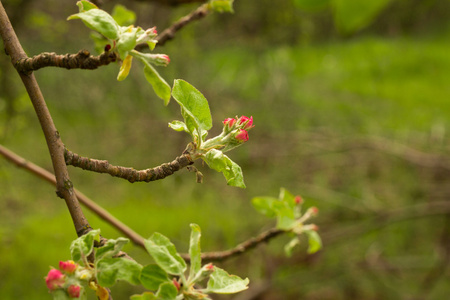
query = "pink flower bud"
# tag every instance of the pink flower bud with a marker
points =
(314, 227)
(314, 210)
(68, 266)
(74, 291)
(54, 279)
(242, 135)
(298, 200)
(176, 283)
(246, 121)
(230, 122)
(209, 267)
(162, 59)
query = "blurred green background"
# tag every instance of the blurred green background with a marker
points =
(351, 106)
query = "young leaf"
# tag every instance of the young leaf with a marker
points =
(84, 245)
(167, 291)
(125, 68)
(160, 86)
(152, 276)
(285, 218)
(221, 282)
(222, 5)
(194, 106)
(290, 246)
(265, 205)
(112, 269)
(127, 41)
(144, 296)
(314, 241)
(220, 162)
(165, 254)
(123, 16)
(111, 248)
(195, 250)
(100, 21)
(85, 5)
(178, 126)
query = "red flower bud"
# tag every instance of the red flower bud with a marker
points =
(68, 266)
(74, 291)
(314, 210)
(229, 121)
(242, 135)
(298, 200)
(176, 283)
(54, 279)
(209, 267)
(248, 122)
(107, 48)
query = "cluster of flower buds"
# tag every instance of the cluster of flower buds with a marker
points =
(67, 278)
(148, 35)
(234, 133)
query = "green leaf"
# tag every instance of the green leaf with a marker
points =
(123, 16)
(194, 106)
(112, 269)
(144, 296)
(110, 248)
(222, 5)
(314, 241)
(152, 276)
(195, 250)
(287, 197)
(165, 254)
(84, 245)
(290, 246)
(351, 16)
(100, 21)
(178, 126)
(160, 86)
(126, 41)
(266, 205)
(311, 5)
(86, 5)
(167, 291)
(285, 218)
(221, 282)
(220, 162)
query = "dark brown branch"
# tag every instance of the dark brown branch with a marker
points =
(169, 33)
(249, 244)
(64, 187)
(91, 205)
(130, 174)
(82, 60)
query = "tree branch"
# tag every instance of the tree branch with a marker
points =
(91, 205)
(130, 174)
(169, 33)
(64, 187)
(82, 60)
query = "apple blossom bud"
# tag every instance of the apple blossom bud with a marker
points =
(68, 266)
(314, 210)
(107, 47)
(242, 135)
(55, 279)
(298, 200)
(74, 291)
(176, 283)
(161, 59)
(246, 121)
(230, 122)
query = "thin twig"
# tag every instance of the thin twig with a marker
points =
(82, 60)
(243, 247)
(91, 205)
(130, 174)
(64, 187)
(169, 33)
